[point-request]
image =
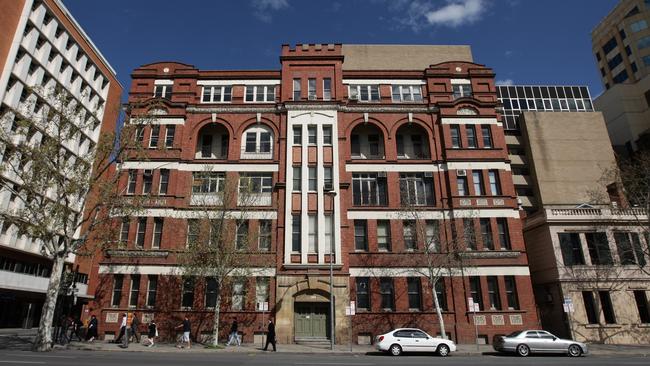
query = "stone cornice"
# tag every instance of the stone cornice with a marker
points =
(279, 108)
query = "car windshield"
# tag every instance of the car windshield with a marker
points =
(514, 334)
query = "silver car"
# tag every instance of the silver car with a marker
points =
(537, 341)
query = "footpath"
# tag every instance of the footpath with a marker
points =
(21, 339)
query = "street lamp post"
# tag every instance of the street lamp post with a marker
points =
(332, 194)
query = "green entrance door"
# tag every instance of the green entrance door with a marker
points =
(311, 320)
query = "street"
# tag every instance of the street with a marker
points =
(257, 358)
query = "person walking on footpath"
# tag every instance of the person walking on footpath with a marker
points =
(92, 329)
(153, 333)
(187, 328)
(234, 335)
(124, 332)
(135, 324)
(75, 331)
(270, 336)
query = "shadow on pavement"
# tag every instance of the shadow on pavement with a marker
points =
(16, 343)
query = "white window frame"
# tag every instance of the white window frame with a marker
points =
(407, 90)
(312, 234)
(255, 89)
(222, 94)
(258, 130)
(262, 177)
(355, 90)
(327, 92)
(156, 221)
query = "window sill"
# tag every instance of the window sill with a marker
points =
(643, 325)
(606, 326)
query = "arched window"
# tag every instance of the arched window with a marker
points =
(412, 142)
(366, 142)
(257, 143)
(212, 142)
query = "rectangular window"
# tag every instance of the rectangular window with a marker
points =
(477, 178)
(461, 90)
(142, 228)
(471, 136)
(406, 93)
(164, 182)
(242, 235)
(147, 181)
(217, 94)
(329, 232)
(486, 234)
(383, 235)
(132, 179)
(297, 179)
(311, 89)
(296, 89)
(155, 134)
(295, 234)
(409, 234)
(311, 134)
(387, 293)
(441, 294)
(313, 181)
(262, 286)
(455, 136)
(461, 184)
(364, 93)
(297, 135)
(135, 291)
(255, 183)
(170, 131)
(260, 93)
(238, 294)
(486, 132)
(495, 184)
(369, 189)
(118, 281)
(502, 231)
(511, 292)
(193, 229)
(187, 297)
(571, 249)
(598, 246)
(590, 307)
(210, 293)
(313, 233)
(642, 306)
(208, 182)
(414, 293)
(629, 248)
(360, 235)
(327, 135)
(638, 26)
(416, 189)
(157, 232)
(432, 231)
(607, 307)
(363, 293)
(206, 146)
(327, 89)
(328, 182)
(493, 293)
(152, 289)
(475, 291)
(160, 91)
(264, 239)
(124, 230)
(643, 43)
(139, 134)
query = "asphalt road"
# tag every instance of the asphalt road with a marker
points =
(93, 358)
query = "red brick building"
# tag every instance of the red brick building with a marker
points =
(338, 140)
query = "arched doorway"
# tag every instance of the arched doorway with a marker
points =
(311, 315)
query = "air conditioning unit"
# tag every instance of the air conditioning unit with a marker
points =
(461, 173)
(312, 97)
(353, 97)
(381, 175)
(428, 174)
(328, 187)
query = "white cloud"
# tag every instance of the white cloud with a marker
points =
(505, 82)
(263, 9)
(456, 13)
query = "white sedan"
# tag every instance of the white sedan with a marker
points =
(412, 340)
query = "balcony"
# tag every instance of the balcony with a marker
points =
(609, 216)
(257, 152)
(206, 199)
(367, 142)
(412, 142)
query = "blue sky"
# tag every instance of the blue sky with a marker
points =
(524, 41)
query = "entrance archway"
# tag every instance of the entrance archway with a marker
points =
(311, 315)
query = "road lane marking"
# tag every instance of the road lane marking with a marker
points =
(35, 356)
(332, 363)
(24, 362)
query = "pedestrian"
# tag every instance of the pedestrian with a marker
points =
(270, 336)
(75, 330)
(124, 332)
(234, 335)
(135, 324)
(186, 333)
(153, 333)
(92, 329)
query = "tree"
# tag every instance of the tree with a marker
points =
(59, 170)
(221, 244)
(443, 248)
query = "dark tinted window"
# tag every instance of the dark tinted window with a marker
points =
(536, 92)
(512, 92)
(402, 334)
(532, 335)
(610, 45)
(545, 92)
(584, 91)
(529, 92)
(552, 92)
(560, 92)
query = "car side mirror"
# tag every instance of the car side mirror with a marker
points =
(555, 338)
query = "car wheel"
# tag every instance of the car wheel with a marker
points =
(443, 350)
(523, 350)
(575, 350)
(395, 350)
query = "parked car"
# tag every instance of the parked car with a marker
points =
(413, 340)
(537, 341)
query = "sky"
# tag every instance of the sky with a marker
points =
(524, 41)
